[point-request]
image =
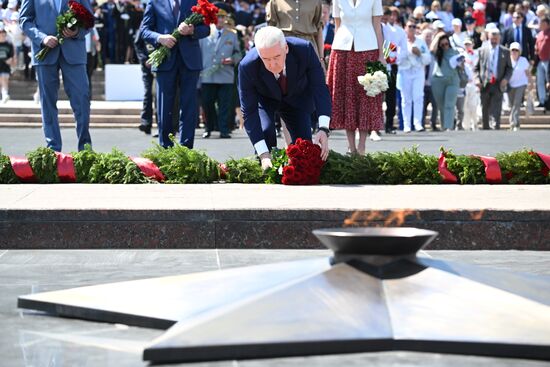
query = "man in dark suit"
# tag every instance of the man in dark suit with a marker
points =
(181, 68)
(493, 70)
(519, 33)
(328, 28)
(282, 75)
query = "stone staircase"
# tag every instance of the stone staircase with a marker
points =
(106, 114)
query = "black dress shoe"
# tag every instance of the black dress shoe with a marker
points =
(145, 128)
(435, 128)
(391, 131)
(206, 135)
(155, 135)
(225, 136)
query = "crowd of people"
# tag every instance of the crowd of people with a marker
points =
(459, 58)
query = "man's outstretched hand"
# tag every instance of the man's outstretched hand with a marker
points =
(321, 139)
(265, 158)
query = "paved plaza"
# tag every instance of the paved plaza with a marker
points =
(17, 141)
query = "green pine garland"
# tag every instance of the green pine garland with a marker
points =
(180, 164)
(7, 176)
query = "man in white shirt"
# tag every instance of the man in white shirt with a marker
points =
(457, 38)
(393, 33)
(410, 78)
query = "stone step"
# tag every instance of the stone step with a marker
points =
(234, 216)
(67, 118)
(112, 111)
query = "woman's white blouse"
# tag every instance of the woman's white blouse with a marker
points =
(356, 26)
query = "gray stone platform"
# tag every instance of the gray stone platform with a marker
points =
(266, 216)
(36, 339)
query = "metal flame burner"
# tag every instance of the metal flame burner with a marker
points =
(374, 294)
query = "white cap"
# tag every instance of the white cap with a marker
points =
(438, 24)
(457, 21)
(515, 46)
(490, 27)
(479, 6)
(12, 4)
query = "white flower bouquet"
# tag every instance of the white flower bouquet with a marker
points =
(375, 81)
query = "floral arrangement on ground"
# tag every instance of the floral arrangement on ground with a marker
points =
(298, 164)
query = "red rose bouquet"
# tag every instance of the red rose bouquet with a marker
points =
(203, 12)
(76, 16)
(299, 164)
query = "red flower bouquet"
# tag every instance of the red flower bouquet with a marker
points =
(304, 164)
(203, 12)
(389, 50)
(76, 17)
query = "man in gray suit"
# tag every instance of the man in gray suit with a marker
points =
(220, 53)
(493, 71)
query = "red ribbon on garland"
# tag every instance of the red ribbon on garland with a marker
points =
(546, 159)
(493, 175)
(22, 169)
(148, 168)
(448, 176)
(65, 168)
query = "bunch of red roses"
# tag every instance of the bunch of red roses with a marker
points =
(76, 16)
(208, 11)
(304, 163)
(82, 14)
(203, 12)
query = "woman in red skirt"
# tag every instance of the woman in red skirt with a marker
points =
(358, 39)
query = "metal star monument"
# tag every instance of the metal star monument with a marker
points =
(374, 294)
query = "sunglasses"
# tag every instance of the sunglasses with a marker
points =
(411, 26)
(514, 50)
(444, 44)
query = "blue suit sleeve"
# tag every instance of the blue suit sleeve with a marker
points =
(148, 25)
(27, 16)
(249, 106)
(201, 31)
(319, 89)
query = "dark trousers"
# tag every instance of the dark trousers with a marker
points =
(391, 99)
(167, 85)
(147, 109)
(91, 64)
(491, 106)
(297, 121)
(429, 99)
(222, 95)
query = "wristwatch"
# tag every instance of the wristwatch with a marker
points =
(326, 130)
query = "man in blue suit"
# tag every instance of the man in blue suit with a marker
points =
(181, 68)
(282, 75)
(37, 18)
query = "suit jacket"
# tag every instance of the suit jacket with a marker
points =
(306, 87)
(504, 68)
(527, 41)
(37, 19)
(330, 34)
(159, 19)
(215, 49)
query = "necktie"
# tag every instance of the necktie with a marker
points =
(517, 35)
(58, 5)
(219, 34)
(176, 8)
(282, 84)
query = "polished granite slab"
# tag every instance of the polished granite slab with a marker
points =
(35, 339)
